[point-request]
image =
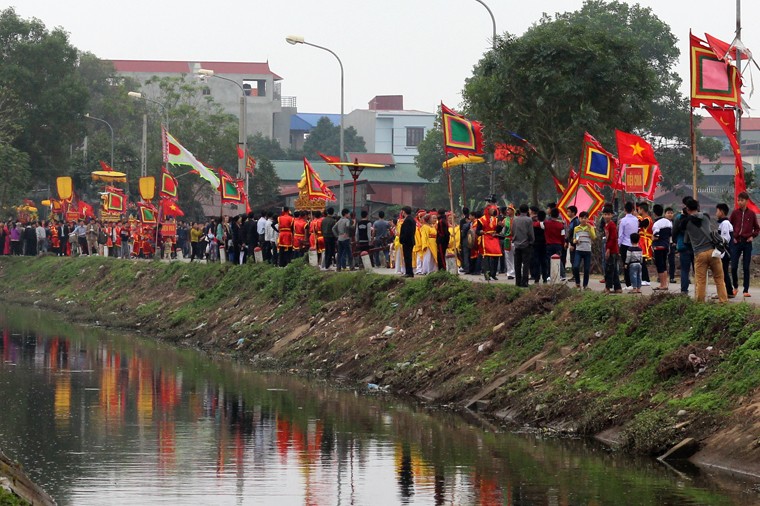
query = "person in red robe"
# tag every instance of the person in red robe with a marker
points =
(490, 245)
(285, 224)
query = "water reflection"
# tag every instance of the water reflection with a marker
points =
(98, 418)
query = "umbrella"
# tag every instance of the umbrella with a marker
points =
(109, 176)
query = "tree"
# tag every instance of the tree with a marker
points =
(606, 66)
(40, 67)
(325, 138)
(265, 185)
(264, 147)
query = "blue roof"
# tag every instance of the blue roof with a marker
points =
(308, 120)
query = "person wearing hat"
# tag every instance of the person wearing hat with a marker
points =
(490, 246)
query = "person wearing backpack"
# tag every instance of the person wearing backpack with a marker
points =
(698, 232)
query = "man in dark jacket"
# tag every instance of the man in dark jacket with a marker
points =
(406, 238)
(327, 233)
(251, 236)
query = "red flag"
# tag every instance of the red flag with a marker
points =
(726, 118)
(105, 166)
(250, 164)
(634, 150)
(461, 136)
(558, 185)
(328, 158)
(724, 51)
(170, 208)
(713, 82)
(229, 188)
(509, 153)
(169, 185)
(597, 165)
(241, 153)
(85, 210)
(316, 189)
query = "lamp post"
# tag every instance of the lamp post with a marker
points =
(138, 95)
(298, 39)
(493, 45)
(109, 127)
(242, 124)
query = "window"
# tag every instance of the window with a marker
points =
(414, 136)
(206, 91)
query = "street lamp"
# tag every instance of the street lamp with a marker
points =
(298, 39)
(138, 95)
(242, 124)
(109, 127)
(493, 45)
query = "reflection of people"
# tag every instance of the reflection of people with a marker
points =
(405, 472)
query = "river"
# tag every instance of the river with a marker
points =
(98, 417)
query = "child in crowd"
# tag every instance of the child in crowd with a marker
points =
(727, 233)
(633, 261)
(583, 235)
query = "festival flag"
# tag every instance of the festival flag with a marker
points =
(241, 153)
(170, 208)
(727, 52)
(329, 158)
(713, 82)
(229, 189)
(147, 213)
(316, 189)
(169, 185)
(558, 185)
(115, 202)
(250, 164)
(176, 154)
(85, 210)
(726, 118)
(510, 153)
(641, 180)
(634, 150)
(105, 166)
(461, 136)
(585, 198)
(597, 165)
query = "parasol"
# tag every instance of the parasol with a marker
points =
(109, 176)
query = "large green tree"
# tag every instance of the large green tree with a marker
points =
(606, 66)
(40, 68)
(265, 185)
(325, 138)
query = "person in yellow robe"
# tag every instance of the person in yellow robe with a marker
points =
(429, 244)
(418, 243)
(455, 239)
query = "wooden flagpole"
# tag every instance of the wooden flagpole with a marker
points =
(464, 197)
(693, 154)
(451, 192)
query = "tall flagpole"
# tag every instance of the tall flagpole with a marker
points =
(739, 69)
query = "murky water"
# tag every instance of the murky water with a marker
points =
(102, 418)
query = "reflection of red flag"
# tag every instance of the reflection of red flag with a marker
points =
(726, 118)
(105, 166)
(634, 150)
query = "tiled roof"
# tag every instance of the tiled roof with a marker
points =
(380, 158)
(290, 171)
(186, 67)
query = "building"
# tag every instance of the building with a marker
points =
(302, 123)
(265, 104)
(377, 188)
(390, 129)
(719, 174)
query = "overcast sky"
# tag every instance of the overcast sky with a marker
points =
(422, 49)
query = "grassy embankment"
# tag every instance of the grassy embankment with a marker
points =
(580, 361)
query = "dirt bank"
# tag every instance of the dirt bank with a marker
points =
(649, 371)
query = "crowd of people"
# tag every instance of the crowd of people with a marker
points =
(518, 242)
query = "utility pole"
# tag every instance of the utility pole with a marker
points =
(144, 152)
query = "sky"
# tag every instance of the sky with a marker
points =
(421, 49)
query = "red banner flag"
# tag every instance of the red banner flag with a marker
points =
(170, 208)
(634, 150)
(597, 165)
(250, 164)
(461, 136)
(713, 82)
(105, 166)
(169, 185)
